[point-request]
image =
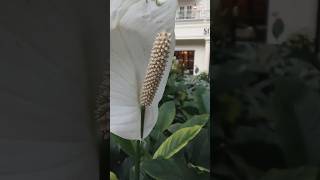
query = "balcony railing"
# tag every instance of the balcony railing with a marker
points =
(193, 15)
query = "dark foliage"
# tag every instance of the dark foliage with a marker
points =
(266, 120)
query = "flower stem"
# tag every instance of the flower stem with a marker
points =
(137, 166)
(142, 121)
(139, 145)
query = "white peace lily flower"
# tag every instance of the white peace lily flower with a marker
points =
(134, 27)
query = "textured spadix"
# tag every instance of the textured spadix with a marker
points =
(134, 26)
(156, 67)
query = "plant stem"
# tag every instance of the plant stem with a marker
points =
(142, 121)
(137, 166)
(139, 144)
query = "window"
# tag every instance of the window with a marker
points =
(189, 12)
(181, 12)
(185, 60)
(186, 12)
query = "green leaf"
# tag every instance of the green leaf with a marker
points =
(156, 137)
(174, 127)
(190, 173)
(167, 113)
(126, 145)
(206, 101)
(199, 168)
(186, 113)
(198, 150)
(115, 151)
(126, 168)
(200, 120)
(113, 176)
(172, 169)
(162, 169)
(202, 100)
(176, 142)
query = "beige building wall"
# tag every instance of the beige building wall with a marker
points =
(192, 34)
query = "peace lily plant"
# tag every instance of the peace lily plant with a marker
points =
(142, 46)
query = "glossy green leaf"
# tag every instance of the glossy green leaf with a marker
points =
(174, 127)
(126, 145)
(198, 150)
(189, 172)
(167, 113)
(199, 168)
(206, 101)
(162, 169)
(200, 120)
(202, 100)
(186, 113)
(176, 142)
(172, 169)
(126, 168)
(155, 139)
(113, 176)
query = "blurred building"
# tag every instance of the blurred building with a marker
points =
(193, 35)
(269, 21)
(297, 16)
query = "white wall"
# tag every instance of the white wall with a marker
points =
(298, 16)
(191, 30)
(199, 47)
(204, 4)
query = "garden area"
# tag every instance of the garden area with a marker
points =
(178, 147)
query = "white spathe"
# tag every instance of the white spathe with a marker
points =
(134, 26)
